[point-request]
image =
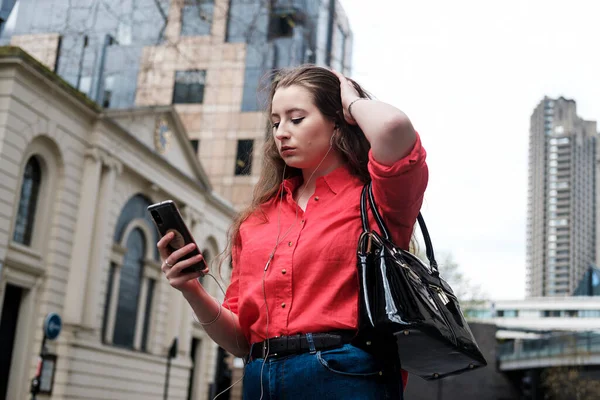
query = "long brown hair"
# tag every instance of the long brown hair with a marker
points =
(350, 142)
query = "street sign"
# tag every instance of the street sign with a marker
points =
(52, 326)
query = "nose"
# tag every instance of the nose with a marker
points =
(281, 134)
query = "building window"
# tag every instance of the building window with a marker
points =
(147, 313)
(8, 16)
(509, 313)
(241, 20)
(84, 85)
(30, 189)
(132, 276)
(243, 160)
(195, 145)
(109, 86)
(207, 258)
(124, 33)
(552, 313)
(324, 25)
(107, 300)
(129, 290)
(282, 22)
(197, 17)
(251, 97)
(339, 49)
(189, 87)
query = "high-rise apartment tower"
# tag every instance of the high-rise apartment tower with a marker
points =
(562, 198)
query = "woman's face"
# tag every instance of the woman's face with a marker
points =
(302, 134)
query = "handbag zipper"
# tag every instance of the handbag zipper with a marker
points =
(410, 272)
(442, 296)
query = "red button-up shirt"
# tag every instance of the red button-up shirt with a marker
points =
(311, 284)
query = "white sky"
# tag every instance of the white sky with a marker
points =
(469, 73)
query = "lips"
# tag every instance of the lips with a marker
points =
(287, 150)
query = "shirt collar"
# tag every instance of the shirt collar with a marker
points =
(334, 181)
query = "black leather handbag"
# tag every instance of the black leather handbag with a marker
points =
(401, 296)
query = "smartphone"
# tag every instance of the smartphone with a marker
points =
(167, 218)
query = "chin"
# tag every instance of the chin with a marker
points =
(290, 162)
(299, 162)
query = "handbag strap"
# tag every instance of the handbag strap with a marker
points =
(368, 191)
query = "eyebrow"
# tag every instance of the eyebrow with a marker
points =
(291, 110)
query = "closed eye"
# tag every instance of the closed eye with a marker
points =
(295, 121)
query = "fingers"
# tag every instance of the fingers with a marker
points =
(341, 77)
(344, 80)
(173, 271)
(176, 269)
(173, 258)
(162, 245)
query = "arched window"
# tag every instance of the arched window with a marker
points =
(207, 259)
(129, 289)
(132, 277)
(30, 189)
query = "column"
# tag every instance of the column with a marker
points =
(82, 238)
(98, 255)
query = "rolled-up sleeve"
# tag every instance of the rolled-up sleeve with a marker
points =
(398, 190)
(232, 294)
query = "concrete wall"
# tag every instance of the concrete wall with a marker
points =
(485, 383)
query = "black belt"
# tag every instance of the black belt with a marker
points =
(295, 344)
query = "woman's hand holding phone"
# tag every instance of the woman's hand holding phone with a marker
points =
(172, 267)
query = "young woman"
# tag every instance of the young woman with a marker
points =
(291, 309)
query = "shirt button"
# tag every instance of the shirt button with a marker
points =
(317, 198)
(283, 271)
(282, 305)
(302, 221)
(290, 244)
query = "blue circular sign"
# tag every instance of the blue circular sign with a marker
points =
(52, 326)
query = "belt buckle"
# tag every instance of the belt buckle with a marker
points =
(266, 349)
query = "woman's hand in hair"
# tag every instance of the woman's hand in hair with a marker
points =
(349, 94)
(388, 130)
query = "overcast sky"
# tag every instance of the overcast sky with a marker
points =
(469, 74)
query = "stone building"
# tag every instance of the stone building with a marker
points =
(76, 239)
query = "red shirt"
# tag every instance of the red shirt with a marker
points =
(311, 284)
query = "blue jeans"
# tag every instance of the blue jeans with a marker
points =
(346, 372)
